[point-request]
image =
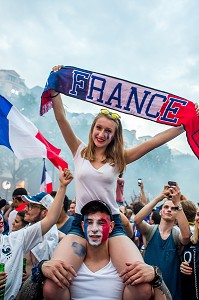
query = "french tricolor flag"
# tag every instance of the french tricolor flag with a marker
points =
(46, 181)
(23, 138)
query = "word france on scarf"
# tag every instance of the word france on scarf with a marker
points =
(126, 97)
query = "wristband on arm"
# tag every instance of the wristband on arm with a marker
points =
(37, 275)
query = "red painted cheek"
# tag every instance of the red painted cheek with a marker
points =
(105, 232)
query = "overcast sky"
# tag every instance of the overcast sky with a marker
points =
(154, 43)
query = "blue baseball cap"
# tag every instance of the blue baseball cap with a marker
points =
(42, 198)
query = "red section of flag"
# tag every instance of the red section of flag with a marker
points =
(52, 152)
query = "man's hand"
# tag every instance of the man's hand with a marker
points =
(59, 272)
(24, 277)
(3, 277)
(164, 194)
(136, 273)
(65, 177)
(185, 269)
(175, 194)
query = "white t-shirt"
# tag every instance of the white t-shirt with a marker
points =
(11, 219)
(45, 249)
(94, 184)
(12, 249)
(104, 284)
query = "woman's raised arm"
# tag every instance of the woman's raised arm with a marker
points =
(71, 139)
(156, 141)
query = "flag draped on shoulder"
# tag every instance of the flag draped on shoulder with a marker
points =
(46, 181)
(23, 138)
(124, 96)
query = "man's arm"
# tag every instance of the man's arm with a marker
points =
(143, 196)
(56, 270)
(54, 211)
(143, 213)
(162, 292)
(140, 272)
(142, 226)
(183, 224)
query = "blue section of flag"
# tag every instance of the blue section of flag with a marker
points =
(43, 178)
(5, 107)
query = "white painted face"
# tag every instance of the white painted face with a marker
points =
(97, 228)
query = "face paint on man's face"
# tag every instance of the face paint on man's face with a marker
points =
(96, 228)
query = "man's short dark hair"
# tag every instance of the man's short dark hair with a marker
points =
(95, 206)
(137, 207)
(17, 193)
(66, 200)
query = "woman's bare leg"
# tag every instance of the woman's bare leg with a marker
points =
(71, 250)
(123, 250)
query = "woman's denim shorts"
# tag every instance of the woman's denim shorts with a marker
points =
(77, 229)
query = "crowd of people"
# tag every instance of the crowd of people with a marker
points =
(166, 235)
(97, 247)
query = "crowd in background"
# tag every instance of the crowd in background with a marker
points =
(17, 215)
(157, 231)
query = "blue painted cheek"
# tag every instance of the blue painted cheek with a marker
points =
(86, 230)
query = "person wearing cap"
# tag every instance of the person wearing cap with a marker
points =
(35, 210)
(18, 243)
(18, 204)
(97, 275)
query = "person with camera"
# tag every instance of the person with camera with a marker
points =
(163, 241)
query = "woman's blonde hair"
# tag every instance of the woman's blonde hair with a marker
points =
(194, 238)
(114, 151)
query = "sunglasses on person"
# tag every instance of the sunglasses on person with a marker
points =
(30, 206)
(173, 208)
(113, 115)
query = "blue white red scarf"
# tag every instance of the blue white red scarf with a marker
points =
(126, 97)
